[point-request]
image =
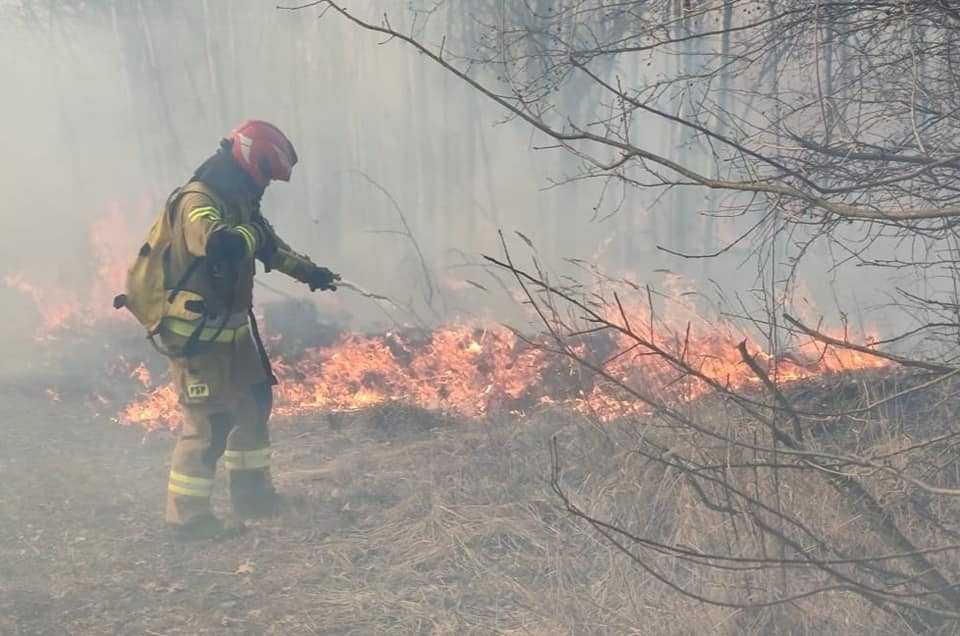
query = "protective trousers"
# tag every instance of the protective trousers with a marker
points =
(226, 398)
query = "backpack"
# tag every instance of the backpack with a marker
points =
(146, 291)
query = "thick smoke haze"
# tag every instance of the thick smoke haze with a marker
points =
(109, 107)
(113, 107)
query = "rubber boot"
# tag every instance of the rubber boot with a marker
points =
(252, 494)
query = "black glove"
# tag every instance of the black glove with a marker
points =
(321, 278)
(224, 246)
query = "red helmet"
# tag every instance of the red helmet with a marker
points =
(263, 151)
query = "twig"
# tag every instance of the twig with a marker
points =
(428, 279)
(843, 344)
(366, 294)
(760, 373)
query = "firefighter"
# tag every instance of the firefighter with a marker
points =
(203, 249)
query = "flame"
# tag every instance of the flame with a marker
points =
(62, 308)
(156, 409)
(466, 369)
(470, 369)
(57, 307)
(142, 374)
(474, 370)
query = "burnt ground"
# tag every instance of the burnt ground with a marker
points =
(396, 522)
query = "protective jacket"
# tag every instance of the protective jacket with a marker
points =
(180, 295)
(170, 279)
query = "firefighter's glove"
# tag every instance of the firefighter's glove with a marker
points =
(225, 247)
(321, 278)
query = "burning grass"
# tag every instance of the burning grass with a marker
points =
(478, 369)
(470, 368)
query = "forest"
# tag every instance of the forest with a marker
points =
(649, 317)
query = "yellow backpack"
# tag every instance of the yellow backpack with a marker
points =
(146, 287)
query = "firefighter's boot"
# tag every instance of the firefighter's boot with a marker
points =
(252, 494)
(247, 458)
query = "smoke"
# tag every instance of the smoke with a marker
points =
(114, 104)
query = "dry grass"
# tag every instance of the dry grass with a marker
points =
(399, 522)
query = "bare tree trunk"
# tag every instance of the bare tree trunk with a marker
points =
(128, 92)
(210, 57)
(709, 241)
(174, 154)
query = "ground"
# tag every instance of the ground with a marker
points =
(396, 522)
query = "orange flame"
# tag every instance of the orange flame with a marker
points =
(62, 308)
(473, 370)
(468, 369)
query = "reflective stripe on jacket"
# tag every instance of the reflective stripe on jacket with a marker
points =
(198, 214)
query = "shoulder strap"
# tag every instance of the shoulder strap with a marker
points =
(174, 198)
(192, 187)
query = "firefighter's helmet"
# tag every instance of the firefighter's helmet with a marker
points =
(263, 151)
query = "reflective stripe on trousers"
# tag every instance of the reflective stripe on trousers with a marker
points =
(247, 459)
(188, 486)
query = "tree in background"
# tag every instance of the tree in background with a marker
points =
(795, 130)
